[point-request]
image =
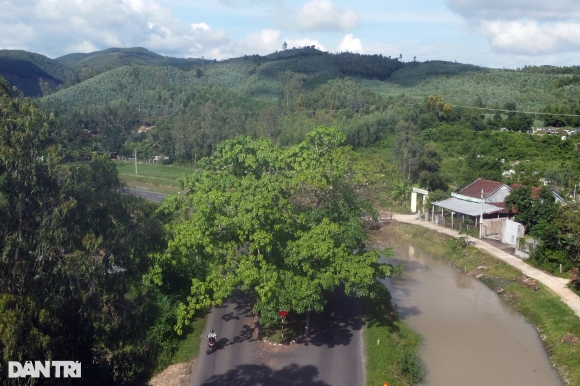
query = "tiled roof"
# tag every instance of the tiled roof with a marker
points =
(474, 189)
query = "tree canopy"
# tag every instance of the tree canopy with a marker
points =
(282, 223)
(72, 247)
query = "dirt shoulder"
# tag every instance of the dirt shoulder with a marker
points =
(175, 375)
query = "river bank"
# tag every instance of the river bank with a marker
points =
(391, 345)
(556, 324)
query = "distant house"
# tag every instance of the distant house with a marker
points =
(481, 198)
(536, 192)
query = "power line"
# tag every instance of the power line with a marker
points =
(517, 111)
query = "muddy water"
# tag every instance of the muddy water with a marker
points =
(471, 337)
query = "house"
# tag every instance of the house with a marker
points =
(481, 198)
(536, 191)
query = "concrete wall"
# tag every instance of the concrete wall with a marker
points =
(499, 195)
(512, 231)
(492, 228)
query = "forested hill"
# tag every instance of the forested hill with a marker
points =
(34, 73)
(101, 61)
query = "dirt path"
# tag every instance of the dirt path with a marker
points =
(556, 284)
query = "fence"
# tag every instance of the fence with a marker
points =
(457, 223)
(139, 160)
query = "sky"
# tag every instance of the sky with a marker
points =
(490, 33)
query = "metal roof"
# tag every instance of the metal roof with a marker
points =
(466, 207)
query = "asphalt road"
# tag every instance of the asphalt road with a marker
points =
(332, 357)
(151, 196)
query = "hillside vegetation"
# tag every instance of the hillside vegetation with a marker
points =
(33, 74)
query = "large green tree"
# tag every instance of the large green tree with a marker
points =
(72, 248)
(284, 224)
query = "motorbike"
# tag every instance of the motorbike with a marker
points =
(211, 344)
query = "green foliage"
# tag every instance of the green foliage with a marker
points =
(282, 223)
(100, 61)
(436, 195)
(412, 366)
(72, 248)
(392, 346)
(24, 69)
(532, 209)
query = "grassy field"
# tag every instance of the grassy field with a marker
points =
(157, 178)
(558, 326)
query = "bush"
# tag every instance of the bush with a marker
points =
(412, 366)
(550, 260)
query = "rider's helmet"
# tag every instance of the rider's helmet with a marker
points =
(211, 330)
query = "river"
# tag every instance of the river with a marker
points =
(471, 336)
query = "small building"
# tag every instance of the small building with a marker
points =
(480, 199)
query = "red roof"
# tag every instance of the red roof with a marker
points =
(474, 189)
(503, 207)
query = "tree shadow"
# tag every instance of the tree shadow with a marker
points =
(251, 375)
(408, 311)
(334, 326)
(379, 311)
(230, 316)
(243, 302)
(246, 335)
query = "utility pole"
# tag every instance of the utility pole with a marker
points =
(481, 217)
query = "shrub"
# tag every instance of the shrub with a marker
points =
(412, 365)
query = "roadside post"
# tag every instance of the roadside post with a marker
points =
(283, 316)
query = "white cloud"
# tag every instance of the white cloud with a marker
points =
(263, 42)
(351, 44)
(531, 38)
(516, 9)
(56, 28)
(201, 26)
(523, 27)
(240, 3)
(324, 15)
(303, 42)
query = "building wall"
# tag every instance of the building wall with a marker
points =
(499, 195)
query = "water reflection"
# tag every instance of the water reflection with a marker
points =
(471, 337)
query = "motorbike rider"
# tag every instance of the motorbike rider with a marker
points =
(212, 334)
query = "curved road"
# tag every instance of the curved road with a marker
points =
(151, 196)
(334, 355)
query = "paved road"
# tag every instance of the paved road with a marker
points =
(333, 357)
(556, 284)
(151, 196)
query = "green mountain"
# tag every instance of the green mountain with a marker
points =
(32, 72)
(111, 58)
(372, 99)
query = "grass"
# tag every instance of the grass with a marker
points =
(172, 172)
(551, 317)
(190, 345)
(158, 178)
(391, 345)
